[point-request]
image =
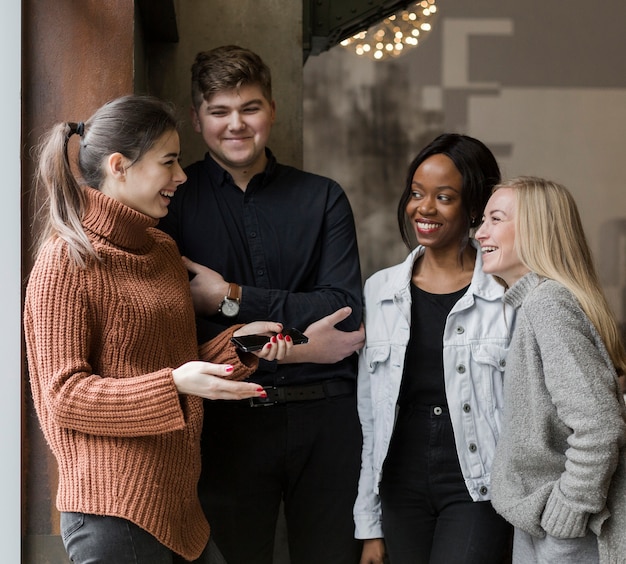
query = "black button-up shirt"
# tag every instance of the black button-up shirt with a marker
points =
(289, 241)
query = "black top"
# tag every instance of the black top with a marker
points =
(422, 379)
(289, 240)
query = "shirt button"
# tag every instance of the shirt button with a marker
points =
(503, 363)
(260, 272)
(483, 490)
(253, 234)
(437, 410)
(460, 369)
(460, 330)
(472, 447)
(467, 408)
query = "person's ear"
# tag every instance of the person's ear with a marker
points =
(195, 119)
(474, 219)
(273, 106)
(116, 166)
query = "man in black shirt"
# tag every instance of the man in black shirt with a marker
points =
(268, 241)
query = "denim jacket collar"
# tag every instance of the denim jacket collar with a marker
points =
(482, 285)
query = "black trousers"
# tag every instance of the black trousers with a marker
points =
(305, 453)
(428, 514)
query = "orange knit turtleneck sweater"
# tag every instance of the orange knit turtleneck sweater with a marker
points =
(102, 342)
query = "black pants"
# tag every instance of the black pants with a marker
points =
(428, 514)
(306, 453)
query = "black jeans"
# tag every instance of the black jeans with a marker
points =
(428, 514)
(305, 453)
(109, 540)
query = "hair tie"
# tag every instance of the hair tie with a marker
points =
(80, 129)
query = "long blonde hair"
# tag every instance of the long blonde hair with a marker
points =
(550, 240)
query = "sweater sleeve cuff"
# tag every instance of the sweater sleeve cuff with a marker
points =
(220, 350)
(560, 519)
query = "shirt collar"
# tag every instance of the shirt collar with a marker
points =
(220, 176)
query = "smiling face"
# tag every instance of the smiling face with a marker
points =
(235, 125)
(435, 207)
(148, 184)
(496, 236)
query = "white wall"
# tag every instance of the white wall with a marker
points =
(10, 288)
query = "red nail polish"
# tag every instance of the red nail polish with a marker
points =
(260, 389)
(280, 336)
(229, 369)
(273, 339)
(288, 339)
(264, 394)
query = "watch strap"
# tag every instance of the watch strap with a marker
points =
(234, 292)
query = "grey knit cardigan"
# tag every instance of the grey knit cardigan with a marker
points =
(560, 464)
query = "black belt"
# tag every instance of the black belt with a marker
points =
(306, 392)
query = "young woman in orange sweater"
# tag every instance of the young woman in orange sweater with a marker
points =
(117, 377)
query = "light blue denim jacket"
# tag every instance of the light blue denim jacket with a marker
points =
(475, 343)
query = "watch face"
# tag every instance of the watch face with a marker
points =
(229, 308)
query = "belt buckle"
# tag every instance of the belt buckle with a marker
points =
(266, 401)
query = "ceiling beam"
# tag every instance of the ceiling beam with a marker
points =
(328, 22)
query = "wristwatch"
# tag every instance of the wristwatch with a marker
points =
(230, 304)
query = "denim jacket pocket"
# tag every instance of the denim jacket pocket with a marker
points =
(492, 353)
(488, 372)
(377, 357)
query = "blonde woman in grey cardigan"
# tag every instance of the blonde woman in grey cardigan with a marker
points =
(559, 474)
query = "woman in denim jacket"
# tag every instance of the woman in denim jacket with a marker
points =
(430, 375)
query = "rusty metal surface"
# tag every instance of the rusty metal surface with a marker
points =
(76, 55)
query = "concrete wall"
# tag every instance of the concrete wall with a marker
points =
(272, 28)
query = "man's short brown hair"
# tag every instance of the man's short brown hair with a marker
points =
(228, 68)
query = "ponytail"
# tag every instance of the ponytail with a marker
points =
(63, 202)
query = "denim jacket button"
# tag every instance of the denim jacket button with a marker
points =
(467, 408)
(460, 330)
(460, 368)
